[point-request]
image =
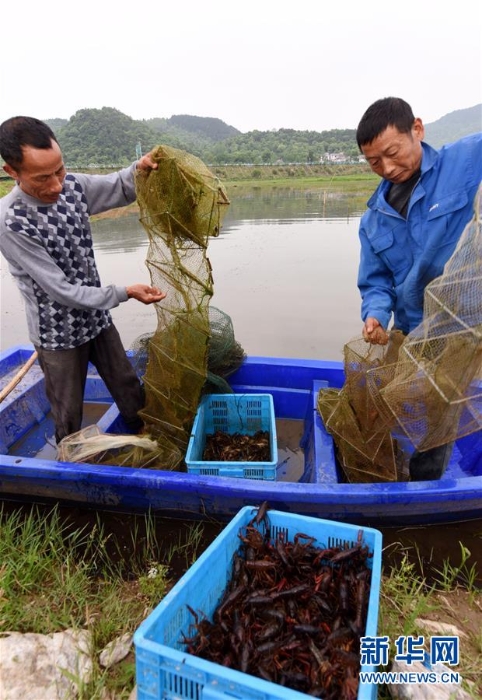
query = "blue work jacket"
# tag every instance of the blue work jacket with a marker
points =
(399, 257)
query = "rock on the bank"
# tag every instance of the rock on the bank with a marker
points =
(40, 667)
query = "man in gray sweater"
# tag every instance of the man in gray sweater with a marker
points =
(45, 236)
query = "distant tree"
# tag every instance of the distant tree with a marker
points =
(209, 127)
(103, 136)
(56, 124)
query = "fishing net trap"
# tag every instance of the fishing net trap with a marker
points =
(419, 391)
(193, 349)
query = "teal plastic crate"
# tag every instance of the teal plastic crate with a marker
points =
(164, 671)
(233, 413)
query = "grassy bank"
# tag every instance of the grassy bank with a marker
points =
(256, 174)
(54, 576)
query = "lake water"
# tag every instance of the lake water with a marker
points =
(284, 269)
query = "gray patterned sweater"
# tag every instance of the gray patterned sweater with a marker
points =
(50, 254)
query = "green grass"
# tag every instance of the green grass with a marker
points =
(451, 575)
(406, 596)
(53, 578)
(5, 187)
(347, 183)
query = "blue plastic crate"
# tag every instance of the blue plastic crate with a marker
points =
(233, 413)
(164, 671)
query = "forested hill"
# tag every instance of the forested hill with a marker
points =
(108, 137)
(453, 126)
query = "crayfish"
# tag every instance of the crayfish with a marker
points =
(292, 613)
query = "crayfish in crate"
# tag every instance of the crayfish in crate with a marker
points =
(292, 613)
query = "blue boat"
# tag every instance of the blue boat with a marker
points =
(29, 469)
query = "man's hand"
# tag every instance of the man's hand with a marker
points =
(374, 333)
(145, 294)
(146, 163)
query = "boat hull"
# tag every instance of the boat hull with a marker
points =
(457, 496)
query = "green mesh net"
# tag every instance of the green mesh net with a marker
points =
(181, 205)
(225, 353)
(193, 349)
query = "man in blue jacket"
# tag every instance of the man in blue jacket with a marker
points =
(413, 223)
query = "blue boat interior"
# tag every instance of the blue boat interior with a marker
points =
(26, 426)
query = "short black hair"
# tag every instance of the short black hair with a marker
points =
(389, 111)
(23, 131)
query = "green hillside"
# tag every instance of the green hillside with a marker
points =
(453, 126)
(103, 136)
(207, 127)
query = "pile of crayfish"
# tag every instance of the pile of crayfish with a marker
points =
(293, 613)
(236, 447)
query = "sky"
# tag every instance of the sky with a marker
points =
(255, 64)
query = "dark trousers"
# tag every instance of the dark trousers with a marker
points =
(66, 372)
(430, 464)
